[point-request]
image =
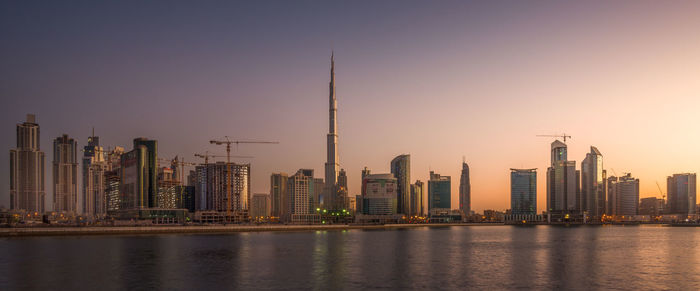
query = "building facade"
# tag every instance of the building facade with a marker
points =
(401, 169)
(65, 175)
(439, 192)
(94, 178)
(523, 191)
(681, 190)
(300, 189)
(379, 195)
(260, 206)
(215, 184)
(465, 191)
(593, 189)
(562, 191)
(417, 198)
(623, 193)
(27, 189)
(278, 194)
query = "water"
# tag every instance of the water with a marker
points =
(479, 257)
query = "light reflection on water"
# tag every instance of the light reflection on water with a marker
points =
(480, 257)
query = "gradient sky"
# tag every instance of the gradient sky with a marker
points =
(439, 80)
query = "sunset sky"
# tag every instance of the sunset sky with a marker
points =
(438, 80)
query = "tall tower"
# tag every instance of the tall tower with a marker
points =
(65, 175)
(401, 168)
(27, 190)
(332, 164)
(465, 190)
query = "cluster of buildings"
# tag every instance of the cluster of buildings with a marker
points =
(589, 195)
(136, 185)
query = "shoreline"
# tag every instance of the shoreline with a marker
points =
(202, 229)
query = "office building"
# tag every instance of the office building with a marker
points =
(523, 191)
(261, 206)
(401, 169)
(300, 189)
(94, 183)
(27, 191)
(278, 194)
(465, 191)
(562, 180)
(623, 193)
(65, 175)
(439, 192)
(379, 195)
(417, 198)
(593, 184)
(681, 193)
(151, 169)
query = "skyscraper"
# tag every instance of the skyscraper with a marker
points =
(401, 168)
(151, 164)
(623, 195)
(300, 188)
(417, 198)
(562, 193)
(94, 167)
(465, 190)
(260, 206)
(27, 191)
(681, 193)
(523, 191)
(593, 184)
(439, 192)
(113, 179)
(65, 175)
(332, 163)
(278, 193)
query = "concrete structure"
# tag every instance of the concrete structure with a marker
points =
(593, 189)
(332, 163)
(439, 192)
(27, 191)
(523, 192)
(379, 195)
(260, 206)
(681, 193)
(562, 191)
(465, 191)
(623, 193)
(94, 186)
(214, 182)
(300, 188)
(65, 175)
(417, 198)
(278, 194)
(401, 169)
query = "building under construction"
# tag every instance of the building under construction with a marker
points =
(220, 190)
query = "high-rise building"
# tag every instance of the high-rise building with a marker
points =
(401, 168)
(417, 198)
(27, 191)
(593, 184)
(342, 191)
(523, 191)
(439, 192)
(94, 167)
(317, 199)
(651, 206)
(167, 196)
(278, 194)
(681, 190)
(113, 180)
(562, 181)
(261, 206)
(366, 172)
(214, 182)
(332, 163)
(465, 190)
(300, 188)
(151, 168)
(379, 195)
(623, 193)
(65, 175)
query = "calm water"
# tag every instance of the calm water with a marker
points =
(481, 257)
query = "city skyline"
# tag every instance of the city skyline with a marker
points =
(451, 93)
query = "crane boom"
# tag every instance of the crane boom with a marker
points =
(563, 135)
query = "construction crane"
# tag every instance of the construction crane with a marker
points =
(563, 135)
(227, 141)
(206, 156)
(663, 195)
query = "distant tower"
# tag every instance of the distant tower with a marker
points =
(94, 167)
(65, 175)
(465, 190)
(27, 190)
(401, 168)
(523, 191)
(593, 184)
(332, 164)
(562, 181)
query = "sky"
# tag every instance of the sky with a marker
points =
(439, 80)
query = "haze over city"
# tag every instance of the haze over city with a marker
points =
(478, 80)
